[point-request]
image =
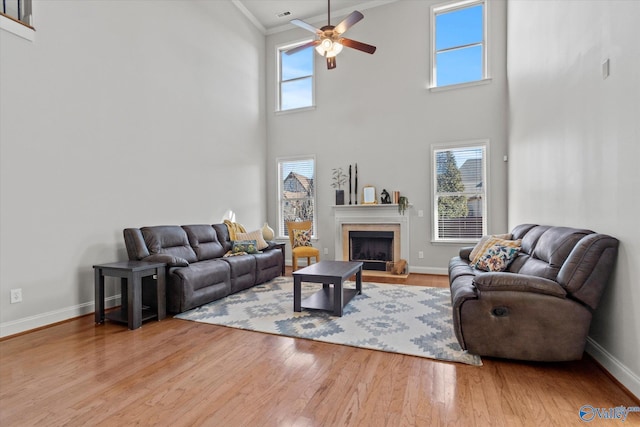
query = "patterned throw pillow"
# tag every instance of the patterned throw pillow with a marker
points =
(254, 235)
(497, 258)
(481, 245)
(491, 241)
(246, 246)
(301, 238)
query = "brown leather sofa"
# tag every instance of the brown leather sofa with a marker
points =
(540, 309)
(197, 271)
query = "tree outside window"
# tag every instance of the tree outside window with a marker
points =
(459, 193)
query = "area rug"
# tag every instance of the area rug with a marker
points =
(411, 320)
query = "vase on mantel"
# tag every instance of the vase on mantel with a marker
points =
(267, 232)
(339, 197)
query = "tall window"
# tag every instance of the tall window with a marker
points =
(296, 191)
(459, 47)
(18, 10)
(295, 78)
(459, 192)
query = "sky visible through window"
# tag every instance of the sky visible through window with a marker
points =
(456, 61)
(296, 89)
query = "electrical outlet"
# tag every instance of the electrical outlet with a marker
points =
(420, 254)
(326, 251)
(16, 295)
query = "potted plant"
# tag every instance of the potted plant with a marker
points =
(403, 204)
(339, 178)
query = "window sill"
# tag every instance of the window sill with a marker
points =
(295, 110)
(460, 85)
(19, 29)
(455, 242)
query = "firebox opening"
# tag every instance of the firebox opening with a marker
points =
(373, 248)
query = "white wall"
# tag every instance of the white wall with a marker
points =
(376, 111)
(120, 114)
(574, 144)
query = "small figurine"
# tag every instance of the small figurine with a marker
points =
(385, 199)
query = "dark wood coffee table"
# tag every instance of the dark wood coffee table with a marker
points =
(331, 298)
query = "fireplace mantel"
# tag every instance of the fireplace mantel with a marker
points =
(370, 214)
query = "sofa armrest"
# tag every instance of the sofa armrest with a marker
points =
(513, 282)
(170, 260)
(465, 252)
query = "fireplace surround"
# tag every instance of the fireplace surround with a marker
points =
(371, 218)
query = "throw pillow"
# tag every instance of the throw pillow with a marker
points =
(492, 241)
(481, 245)
(301, 238)
(254, 235)
(497, 258)
(246, 246)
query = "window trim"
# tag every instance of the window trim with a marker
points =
(449, 7)
(278, 97)
(485, 144)
(279, 233)
(18, 28)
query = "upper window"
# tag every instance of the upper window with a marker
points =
(459, 192)
(459, 45)
(18, 10)
(296, 192)
(295, 78)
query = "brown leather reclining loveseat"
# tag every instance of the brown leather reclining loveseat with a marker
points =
(540, 308)
(197, 271)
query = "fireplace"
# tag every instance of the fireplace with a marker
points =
(371, 218)
(373, 248)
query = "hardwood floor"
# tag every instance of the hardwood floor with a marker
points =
(182, 373)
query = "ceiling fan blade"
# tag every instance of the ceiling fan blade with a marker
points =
(348, 22)
(302, 47)
(306, 26)
(331, 63)
(358, 45)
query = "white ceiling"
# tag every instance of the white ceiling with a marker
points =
(263, 13)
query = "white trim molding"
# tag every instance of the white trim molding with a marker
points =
(49, 318)
(615, 367)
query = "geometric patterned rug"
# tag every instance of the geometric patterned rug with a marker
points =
(413, 320)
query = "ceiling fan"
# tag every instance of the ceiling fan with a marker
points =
(330, 41)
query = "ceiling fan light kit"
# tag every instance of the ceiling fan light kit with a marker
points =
(330, 42)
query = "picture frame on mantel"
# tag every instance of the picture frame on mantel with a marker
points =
(369, 195)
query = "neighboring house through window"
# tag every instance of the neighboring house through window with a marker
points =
(459, 191)
(296, 192)
(459, 43)
(295, 78)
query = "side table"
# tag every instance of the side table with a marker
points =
(131, 273)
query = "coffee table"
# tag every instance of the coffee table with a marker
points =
(331, 298)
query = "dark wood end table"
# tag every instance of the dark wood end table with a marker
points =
(131, 273)
(331, 298)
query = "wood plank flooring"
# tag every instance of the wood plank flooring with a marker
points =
(181, 373)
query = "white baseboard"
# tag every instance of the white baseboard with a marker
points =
(617, 369)
(429, 270)
(44, 319)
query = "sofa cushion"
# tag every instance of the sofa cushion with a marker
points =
(550, 251)
(204, 241)
(168, 239)
(204, 273)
